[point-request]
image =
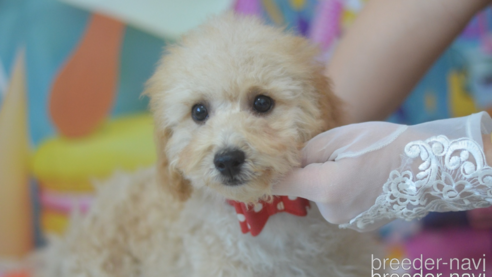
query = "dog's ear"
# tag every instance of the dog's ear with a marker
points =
(330, 104)
(168, 176)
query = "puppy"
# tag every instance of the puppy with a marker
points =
(234, 102)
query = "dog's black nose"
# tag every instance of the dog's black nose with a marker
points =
(229, 162)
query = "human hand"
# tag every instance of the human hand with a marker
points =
(364, 175)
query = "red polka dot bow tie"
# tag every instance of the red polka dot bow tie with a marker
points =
(253, 218)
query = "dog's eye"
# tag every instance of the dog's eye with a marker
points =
(262, 103)
(199, 112)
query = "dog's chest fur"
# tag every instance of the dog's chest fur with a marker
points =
(151, 235)
(212, 244)
(288, 245)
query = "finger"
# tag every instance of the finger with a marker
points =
(350, 138)
(317, 150)
(311, 182)
(320, 148)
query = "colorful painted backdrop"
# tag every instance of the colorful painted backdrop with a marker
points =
(85, 70)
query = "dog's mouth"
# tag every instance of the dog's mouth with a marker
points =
(234, 181)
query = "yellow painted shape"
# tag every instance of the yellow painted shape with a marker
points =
(395, 252)
(273, 11)
(430, 101)
(348, 18)
(15, 205)
(297, 4)
(66, 164)
(461, 103)
(82, 186)
(54, 222)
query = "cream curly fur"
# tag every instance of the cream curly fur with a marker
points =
(172, 220)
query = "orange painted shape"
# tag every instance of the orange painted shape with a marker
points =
(85, 88)
(18, 274)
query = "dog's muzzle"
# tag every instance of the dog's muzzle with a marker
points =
(229, 163)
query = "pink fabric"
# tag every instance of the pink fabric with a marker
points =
(65, 202)
(326, 25)
(463, 243)
(248, 7)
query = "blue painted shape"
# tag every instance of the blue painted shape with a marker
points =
(413, 110)
(12, 23)
(48, 30)
(297, 21)
(52, 31)
(139, 57)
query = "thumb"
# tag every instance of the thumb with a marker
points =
(311, 182)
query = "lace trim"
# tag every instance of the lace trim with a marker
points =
(452, 176)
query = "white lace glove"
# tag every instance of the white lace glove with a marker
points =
(364, 175)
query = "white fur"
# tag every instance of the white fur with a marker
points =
(203, 238)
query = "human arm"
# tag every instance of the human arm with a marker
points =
(389, 48)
